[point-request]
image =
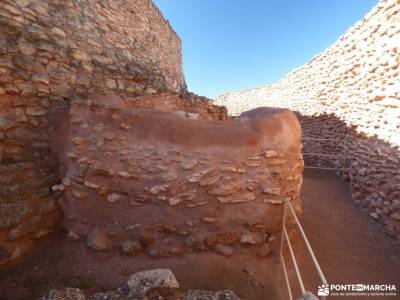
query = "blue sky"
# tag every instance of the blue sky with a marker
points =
(234, 44)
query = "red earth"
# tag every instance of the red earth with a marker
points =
(349, 246)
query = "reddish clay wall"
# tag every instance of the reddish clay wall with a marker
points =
(146, 180)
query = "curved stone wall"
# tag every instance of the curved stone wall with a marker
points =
(351, 91)
(154, 181)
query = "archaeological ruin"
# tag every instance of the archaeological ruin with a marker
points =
(52, 54)
(349, 95)
(110, 167)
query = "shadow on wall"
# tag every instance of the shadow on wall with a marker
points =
(369, 164)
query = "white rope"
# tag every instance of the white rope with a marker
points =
(286, 277)
(296, 267)
(310, 251)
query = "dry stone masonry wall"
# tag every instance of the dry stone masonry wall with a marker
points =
(351, 91)
(52, 52)
(141, 180)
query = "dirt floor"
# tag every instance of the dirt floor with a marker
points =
(349, 246)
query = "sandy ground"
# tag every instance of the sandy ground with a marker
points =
(349, 246)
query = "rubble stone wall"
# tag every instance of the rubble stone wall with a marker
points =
(54, 51)
(351, 91)
(158, 182)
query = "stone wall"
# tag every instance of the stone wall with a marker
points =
(351, 91)
(54, 51)
(160, 182)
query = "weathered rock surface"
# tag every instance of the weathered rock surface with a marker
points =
(150, 284)
(349, 93)
(171, 186)
(142, 283)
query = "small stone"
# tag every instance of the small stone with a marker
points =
(395, 216)
(58, 188)
(124, 126)
(41, 233)
(224, 189)
(125, 175)
(66, 181)
(111, 83)
(79, 194)
(224, 250)
(41, 78)
(195, 177)
(130, 247)
(26, 48)
(112, 197)
(270, 154)
(91, 185)
(20, 116)
(58, 32)
(16, 253)
(5, 123)
(80, 55)
(189, 164)
(273, 201)
(250, 239)
(229, 169)
(102, 60)
(109, 136)
(253, 163)
(78, 141)
(272, 191)
(209, 220)
(150, 90)
(72, 235)
(154, 190)
(209, 180)
(175, 200)
(98, 240)
(134, 226)
(168, 176)
(238, 198)
(100, 170)
(36, 111)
